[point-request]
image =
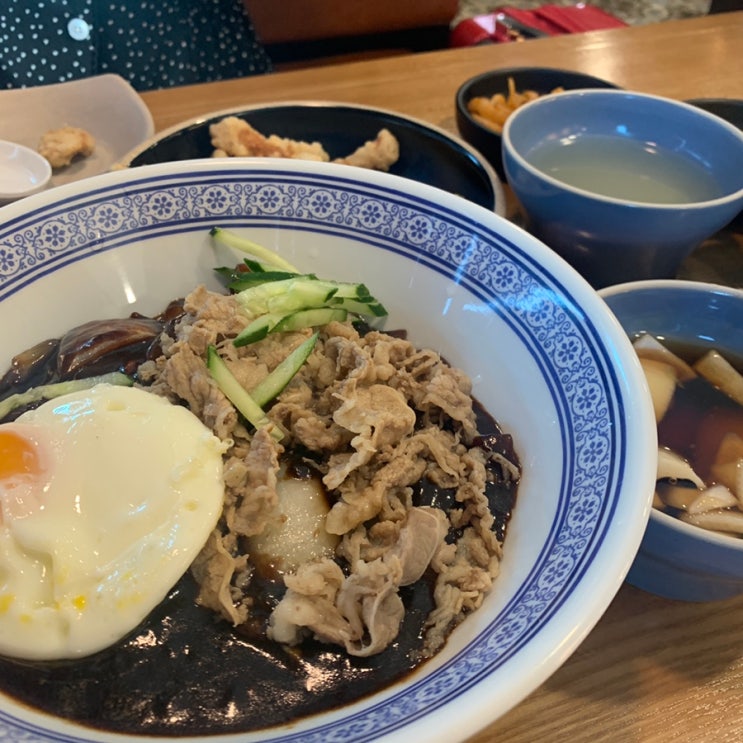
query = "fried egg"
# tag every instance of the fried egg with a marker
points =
(106, 497)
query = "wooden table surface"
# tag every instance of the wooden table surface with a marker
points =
(652, 670)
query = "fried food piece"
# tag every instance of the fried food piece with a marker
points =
(234, 137)
(61, 146)
(378, 154)
(492, 111)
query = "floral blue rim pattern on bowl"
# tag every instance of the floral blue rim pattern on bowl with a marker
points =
(552, 601)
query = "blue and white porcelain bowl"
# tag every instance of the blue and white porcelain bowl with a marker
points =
(547, 359)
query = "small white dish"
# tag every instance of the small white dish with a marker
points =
(104, 105)
(22, 171)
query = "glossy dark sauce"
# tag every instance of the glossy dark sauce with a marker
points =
(185, 672)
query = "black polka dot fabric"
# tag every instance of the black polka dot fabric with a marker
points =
(152, 44)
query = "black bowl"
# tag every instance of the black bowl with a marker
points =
(540, 79)
(730, 109)
(427, 154)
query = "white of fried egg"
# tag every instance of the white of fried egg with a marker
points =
(106, 497)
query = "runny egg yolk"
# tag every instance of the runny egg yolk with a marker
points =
(23, 473)
(18, 456)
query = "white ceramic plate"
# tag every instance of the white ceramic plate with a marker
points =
(547, 359)
(105, 105)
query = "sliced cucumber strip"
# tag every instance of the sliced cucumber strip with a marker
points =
(297, 293)
(308, 296)
(310, 318)
(347, 290)
(248, 279)
(237, 394)
(277, 322)
(271, 386)
(271, 296)
(305, 292)
(258, 329)
(358, 307)
(260, 267)
(245, 245)
(50, 391)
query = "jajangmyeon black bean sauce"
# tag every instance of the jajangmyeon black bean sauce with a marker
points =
(185, 672)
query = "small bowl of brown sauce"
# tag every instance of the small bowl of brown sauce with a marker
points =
(689, 341)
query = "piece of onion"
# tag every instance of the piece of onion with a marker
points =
(731, 476)
(720, 372)
(662, 382)
(728, 465)
(712, 499)
(673, 467)
(679, 497)
(728, 522)
(649, 347)
(693, 500)
(730, 448)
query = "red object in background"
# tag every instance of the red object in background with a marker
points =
(481, 29)
(513, 24)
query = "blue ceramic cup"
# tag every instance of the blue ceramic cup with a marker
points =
(623, 185)
(678, 560)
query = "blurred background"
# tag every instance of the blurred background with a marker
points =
(629, 11)
(324, 30)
